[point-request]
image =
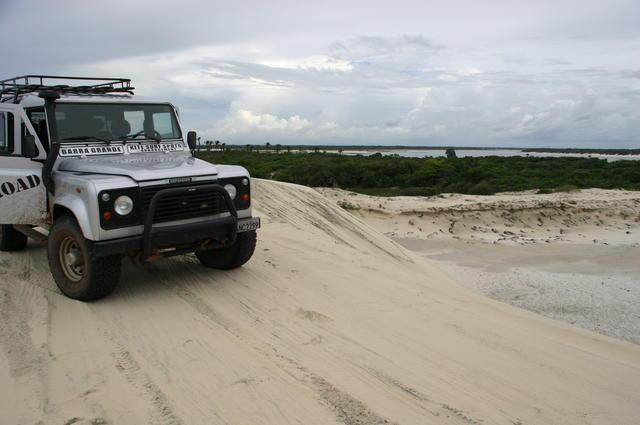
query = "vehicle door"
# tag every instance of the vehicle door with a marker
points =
(22, 194)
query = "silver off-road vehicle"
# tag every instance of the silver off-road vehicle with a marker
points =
(100, 174)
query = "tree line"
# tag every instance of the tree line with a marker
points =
(391, 175)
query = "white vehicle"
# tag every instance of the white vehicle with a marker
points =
(100, 174)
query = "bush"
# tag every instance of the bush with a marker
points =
(482, 188)
(346, 205)
(567, 188)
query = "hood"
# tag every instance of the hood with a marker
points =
(141, 167)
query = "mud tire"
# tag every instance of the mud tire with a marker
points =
(100, 275)
(230, 257)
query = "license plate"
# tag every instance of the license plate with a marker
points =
(248, 224)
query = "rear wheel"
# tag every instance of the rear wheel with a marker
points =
(232, 256)
(11, 239)
(77, 273)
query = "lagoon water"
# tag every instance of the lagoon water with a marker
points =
(420, 153)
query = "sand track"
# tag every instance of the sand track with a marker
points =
(331, 322)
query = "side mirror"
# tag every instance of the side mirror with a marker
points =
(29, 148)
(192, 140)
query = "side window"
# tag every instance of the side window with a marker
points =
(39, 123)
(6, 133)
(3, 131)
(35, 117)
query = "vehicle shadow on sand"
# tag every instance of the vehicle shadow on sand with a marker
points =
(165, 275)
(136, 280)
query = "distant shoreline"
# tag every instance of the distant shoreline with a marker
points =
(584, 151)
(594, 151)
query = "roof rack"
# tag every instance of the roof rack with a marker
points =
(14, 88)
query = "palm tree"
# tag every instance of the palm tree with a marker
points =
(208, 143)
(268, 145)
(224, 147)
(278, 146)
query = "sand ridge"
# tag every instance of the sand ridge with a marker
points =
(570, 256)
(331, 322)
(587, 216)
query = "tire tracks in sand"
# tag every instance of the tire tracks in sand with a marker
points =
(346, 408)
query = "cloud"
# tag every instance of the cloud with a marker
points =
(505, 74)
(243, 121)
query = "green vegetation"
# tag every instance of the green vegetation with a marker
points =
(567, 188)
(395, 175)
(346, 205)
(544, 191)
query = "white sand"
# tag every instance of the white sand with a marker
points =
(331, 322)
(589, 216)
(569, 256)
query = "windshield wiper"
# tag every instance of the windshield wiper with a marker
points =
(85, 138)
(140, 133)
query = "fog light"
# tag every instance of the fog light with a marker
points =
(106, 216)
(123, 205)
(231, 190)
(244, 197)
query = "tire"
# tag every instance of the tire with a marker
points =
(77, 273)
(11, 239)
(230, 257)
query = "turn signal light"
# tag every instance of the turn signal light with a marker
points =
(106, 215)
(244, 197)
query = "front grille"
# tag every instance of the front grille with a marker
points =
(182, 206)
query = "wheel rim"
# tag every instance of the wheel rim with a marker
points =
(71, 259)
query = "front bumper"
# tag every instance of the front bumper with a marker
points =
(193, 234)
(179, 238)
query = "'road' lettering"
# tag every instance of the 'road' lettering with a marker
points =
(22, 183)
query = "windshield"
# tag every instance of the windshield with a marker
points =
(115, 121)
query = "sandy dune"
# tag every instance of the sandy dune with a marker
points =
(588, 216)
(331, 322)
(569, 256)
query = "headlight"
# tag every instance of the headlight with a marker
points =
(231, 190)
(123, 205)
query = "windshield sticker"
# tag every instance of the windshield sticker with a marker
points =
(154, 147)
(90, 150)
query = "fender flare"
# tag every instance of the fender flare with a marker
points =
(78, 207)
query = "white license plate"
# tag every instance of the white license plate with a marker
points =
(248, 224)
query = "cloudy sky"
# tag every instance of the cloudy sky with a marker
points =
(462, 72)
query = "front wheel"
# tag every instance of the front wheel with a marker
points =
(232, 256)
(77, 273)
